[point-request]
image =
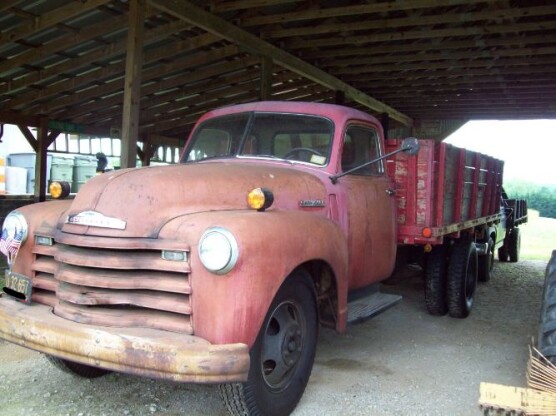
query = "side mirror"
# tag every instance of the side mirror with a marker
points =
(410, 146)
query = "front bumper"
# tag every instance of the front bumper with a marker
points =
(141, 351)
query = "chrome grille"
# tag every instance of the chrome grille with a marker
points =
(120, 287)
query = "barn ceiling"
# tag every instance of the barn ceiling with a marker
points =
(411, 59)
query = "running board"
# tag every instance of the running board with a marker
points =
(361, 309)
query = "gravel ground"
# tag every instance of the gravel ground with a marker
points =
(403, 362)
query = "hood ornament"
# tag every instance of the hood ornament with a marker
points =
(96, 219)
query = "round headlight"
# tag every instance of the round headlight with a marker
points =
(14, 232)
(218, 250)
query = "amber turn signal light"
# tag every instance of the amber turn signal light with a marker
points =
(59, 190)
(260, 199)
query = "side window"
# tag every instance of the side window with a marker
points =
(211, 143)
(361, 145)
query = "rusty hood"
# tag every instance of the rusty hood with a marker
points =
(138, 202)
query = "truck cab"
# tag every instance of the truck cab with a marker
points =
(219, 269)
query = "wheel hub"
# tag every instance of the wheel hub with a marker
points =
(292, 345)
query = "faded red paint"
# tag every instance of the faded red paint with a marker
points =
(444, 188)
(91, 275)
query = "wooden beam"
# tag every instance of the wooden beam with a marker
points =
(266, 78)
(132, 85)
(65, 42)
(40, 161)
(53, 135)
(8, 4)
(101, 74)
(413, 51)
(88, 59)
(481, 55)
(153, 98)
(502, 63)
(160, 70)
(214, 24)
(49, 19)
(356, 10)
(29, 137)
(247, 4)
(406, 35)
(380, 23)
(11, 117)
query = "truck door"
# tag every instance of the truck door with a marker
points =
(370, 208)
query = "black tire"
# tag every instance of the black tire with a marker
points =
(486, 262)
(435, 281)
(514, 245)
(503, 253)
(547, 325)
(462, 278)
(282, 356)
(76, 369)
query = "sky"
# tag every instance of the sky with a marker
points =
(528, 147)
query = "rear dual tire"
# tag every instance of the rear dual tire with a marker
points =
(462, 278)
(451, 279)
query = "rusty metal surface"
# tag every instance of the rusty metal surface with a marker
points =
(146, 352)
(114, 278)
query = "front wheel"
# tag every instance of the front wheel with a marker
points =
(282, 355)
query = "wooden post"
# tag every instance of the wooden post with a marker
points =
(132, 86)
(40, 161)
(266, 79)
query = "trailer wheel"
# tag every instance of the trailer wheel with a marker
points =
(462, 278)
(514, 245)
(282, 356)
(503, 253)
(547, 326)
(435, 281)
(76, 369)
(486, 262)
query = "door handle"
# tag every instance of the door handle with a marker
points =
(391, 192)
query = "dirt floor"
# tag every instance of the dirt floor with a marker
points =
(403, 362)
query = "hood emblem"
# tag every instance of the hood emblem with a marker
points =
(311, 203)
(96, 219)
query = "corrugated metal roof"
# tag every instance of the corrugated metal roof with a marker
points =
(441, 59)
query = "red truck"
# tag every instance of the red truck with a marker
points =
(221, 269)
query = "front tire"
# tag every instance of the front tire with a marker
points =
(282, 356)
(462, 278)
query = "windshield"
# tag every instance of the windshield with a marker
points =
(295, 137)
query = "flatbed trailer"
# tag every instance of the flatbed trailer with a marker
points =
(448, 203)
(444, 191)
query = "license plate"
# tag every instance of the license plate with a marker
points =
(18, 287)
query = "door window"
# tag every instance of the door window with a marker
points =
(361, 145)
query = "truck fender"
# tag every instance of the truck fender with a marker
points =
(42, 218)
(230, 308)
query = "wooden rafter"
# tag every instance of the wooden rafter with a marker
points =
(50, 19)
(187, 11)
